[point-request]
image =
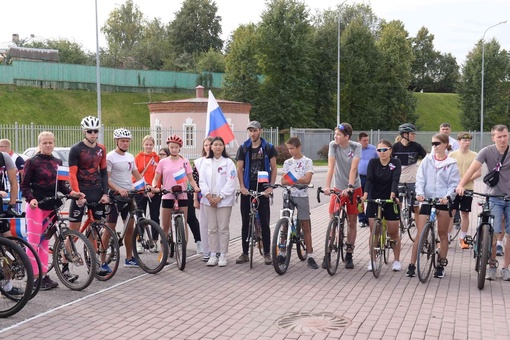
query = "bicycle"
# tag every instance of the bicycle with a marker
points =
(176, 238)
(407, 221)
(380, 242)
(105, 242)
(482, 241)
(335, 240)
(71, 251)
(284, 237)
(427, 246)
(254, 228)
(456, 226)
(16, 271)
(148, 257)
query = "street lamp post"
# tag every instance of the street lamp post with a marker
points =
(338, 70)
(98, 81)
(483, 73)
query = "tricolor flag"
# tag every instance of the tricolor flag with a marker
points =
(180, 176)
(263, 177)
(63, 173)
(139, 185)
(18, 227)
(216, 124)
(290, 178)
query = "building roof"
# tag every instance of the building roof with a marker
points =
(34, 54)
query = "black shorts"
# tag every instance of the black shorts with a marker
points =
(122, 208)
(425, 208)
(92, 196)
(169, 204)
(389, 212)
(463, 203)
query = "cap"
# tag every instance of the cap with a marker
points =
(254, 125)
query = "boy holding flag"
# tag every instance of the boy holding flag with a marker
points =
(299, 170)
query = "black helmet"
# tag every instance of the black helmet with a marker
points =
(406, 128)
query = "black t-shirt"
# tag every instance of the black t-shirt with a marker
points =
(256, 161)
(408, 154)
(382, 180)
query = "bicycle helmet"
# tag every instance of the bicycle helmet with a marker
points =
(121, 133)
(90, 123)
(406, 128)
(174, 139)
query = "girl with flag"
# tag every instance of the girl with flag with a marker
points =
(174, 170)
(299, 170)
(42, 175)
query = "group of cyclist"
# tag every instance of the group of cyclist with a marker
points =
(95, 174)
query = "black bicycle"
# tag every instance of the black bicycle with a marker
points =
(407, 221)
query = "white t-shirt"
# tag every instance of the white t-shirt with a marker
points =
(120, 168)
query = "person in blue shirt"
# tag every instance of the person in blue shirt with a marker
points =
(368, 151)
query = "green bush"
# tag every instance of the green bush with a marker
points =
(323, 152)
(282, 154)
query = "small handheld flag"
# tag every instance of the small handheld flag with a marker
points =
(263, 177)
(290, 178)
(216, 124)
(180, 176)
(139, 185)
(63, 173)
(18, 227)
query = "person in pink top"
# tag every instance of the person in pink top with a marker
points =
(168, 169)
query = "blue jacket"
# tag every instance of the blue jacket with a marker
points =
(267, 165)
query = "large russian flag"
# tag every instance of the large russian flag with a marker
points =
(216, 125)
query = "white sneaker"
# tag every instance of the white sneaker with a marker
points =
(396, 266)
(213, 260)
(369, 267)
(222, 261)
(139, 248)
(199, 247)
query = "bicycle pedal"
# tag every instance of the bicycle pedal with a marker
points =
(468, 240)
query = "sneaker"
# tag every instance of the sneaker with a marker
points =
(222, 261)
(312, 264)
(499, 250)
(281, 259)
(52, 283)
(139, 247)
(491, 274)
(463, 244)
(505, 274)
(348, 261)
(68, 276)
(15, 291)
(131, 263)
(267, 259)
(206, 257)
(324, 265)
(154, 248)
(396, 266)
(213, 260)
(45, 285)
(439, 273)
(105, 269)
(199, 247)
(242, 259)
(362, 225)
(369, 267)
(411, 271)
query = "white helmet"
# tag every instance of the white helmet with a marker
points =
(121, 133)
(90, 123)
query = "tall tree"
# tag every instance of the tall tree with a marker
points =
(241, 70)
(447, 73)
(284, 49)
(397, 103)
(425, 61)
(153, 48)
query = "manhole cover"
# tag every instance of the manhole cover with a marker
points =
(313, 322)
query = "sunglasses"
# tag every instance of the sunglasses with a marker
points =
(435, 143)
(341, 127)
(383, 149)
(92, 131)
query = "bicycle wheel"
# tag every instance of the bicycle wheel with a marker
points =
(300, 244)
(180, 243)
(426, 252)
(106, 244)
(171, 243)
(16, 278)
(251, 238)
(73, 249)
(281, 247)
(455, 231)
(483, 254)
(149, 260)
(258, 237)
(27, 248)
(412, 231)
(385, 245)
(333, 247)
(376, 248)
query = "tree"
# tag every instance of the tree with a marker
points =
(496, 94)
(153, 48)
(425, 61)
(241, 66)
(447, 74)
(397, 104)
(211, 61)
(284, 49)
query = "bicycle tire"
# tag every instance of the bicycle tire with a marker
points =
(17, 269)
(171, 243)
(150, 261)
(251, 239)
(180, 243)
(300, 244)
(341, 236)
(282, 246)
(258, 236)
(24, 246)
(484, 250)
(385, 245)
(111, 250)
(412, 230)
(332, 246)
(376, 247)
(80, 257)
(455, 232)
(426, 252)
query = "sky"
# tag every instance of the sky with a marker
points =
(457, 25)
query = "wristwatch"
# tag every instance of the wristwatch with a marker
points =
(221, 196)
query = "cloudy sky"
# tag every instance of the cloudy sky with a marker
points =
(456, 24)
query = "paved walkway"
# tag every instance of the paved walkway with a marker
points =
(243, 303)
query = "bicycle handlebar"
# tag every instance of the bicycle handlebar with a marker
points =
(288, 187)
(335, 192)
